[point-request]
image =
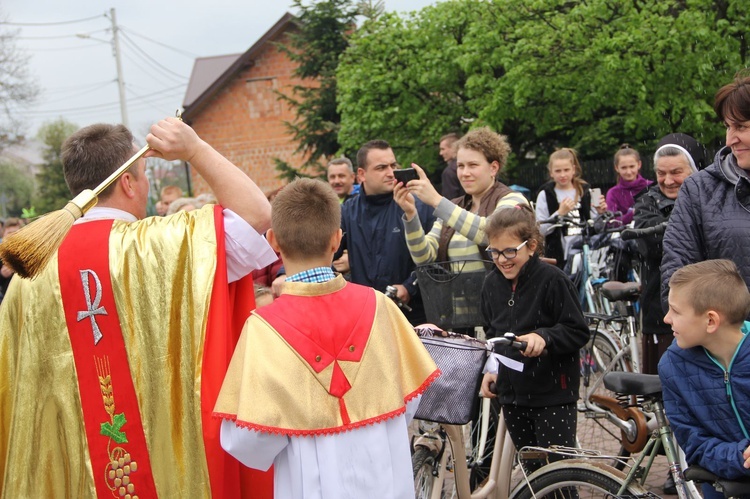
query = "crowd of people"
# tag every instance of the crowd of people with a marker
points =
(245, 345)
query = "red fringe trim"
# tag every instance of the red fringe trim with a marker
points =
(423, 387)
(334, 430)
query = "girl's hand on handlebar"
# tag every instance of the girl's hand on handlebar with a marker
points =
(486, 380)
(535, 344)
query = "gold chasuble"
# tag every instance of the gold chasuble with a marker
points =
(322, 359)
(162, 275)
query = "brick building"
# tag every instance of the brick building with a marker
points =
(231, 102)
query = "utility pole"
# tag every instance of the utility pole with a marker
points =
(120, 80)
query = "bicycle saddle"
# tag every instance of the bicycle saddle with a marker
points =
(621, 291)
(633, 383)
(731, 488)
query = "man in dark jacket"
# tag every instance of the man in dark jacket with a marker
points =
(711, 218)
(374, 231)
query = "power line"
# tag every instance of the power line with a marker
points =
(53, 24)
(81, 92)
(57, 37)
(73, 88)
(147, 56)
(103, 105)
(188, 54)
(145, 69)
(61, 49)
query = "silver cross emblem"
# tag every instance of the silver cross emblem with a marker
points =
(93, 307)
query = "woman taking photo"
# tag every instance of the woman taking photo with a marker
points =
(458, 232)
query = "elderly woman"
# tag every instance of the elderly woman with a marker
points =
(677, 156)
(458, 232)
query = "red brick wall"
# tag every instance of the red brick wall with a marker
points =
(245, 120)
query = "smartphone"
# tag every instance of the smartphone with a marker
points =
(596, 196)
(405, 174)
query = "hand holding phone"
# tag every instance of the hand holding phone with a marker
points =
(404, 175)
(596, 196)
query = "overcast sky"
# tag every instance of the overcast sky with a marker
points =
(159, 41)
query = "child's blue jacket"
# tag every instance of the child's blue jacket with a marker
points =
(708, 407)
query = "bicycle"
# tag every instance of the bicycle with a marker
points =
(441, 447)
(588, 268)
(586, 474)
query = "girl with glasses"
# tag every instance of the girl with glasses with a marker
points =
(538, 303)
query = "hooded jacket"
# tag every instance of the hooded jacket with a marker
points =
(544, 301)
(711, 219)
(708, 406)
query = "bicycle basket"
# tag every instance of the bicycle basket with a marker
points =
(452, 397)
(451, 297)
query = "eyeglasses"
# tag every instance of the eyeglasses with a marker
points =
(508, 253)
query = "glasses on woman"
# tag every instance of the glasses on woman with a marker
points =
(508, 253)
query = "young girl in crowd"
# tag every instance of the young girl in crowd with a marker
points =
(566, 195)
(537, 302)
(621, 197)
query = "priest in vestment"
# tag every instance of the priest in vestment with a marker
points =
(111, 359)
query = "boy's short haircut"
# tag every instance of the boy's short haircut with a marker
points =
(714, 285)
(171, 189)
(304, 217)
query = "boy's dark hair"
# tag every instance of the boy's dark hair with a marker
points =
(304, 217)
(92, 153)
(713, 285)
(365, 150)
(732, 101)
(520, 221)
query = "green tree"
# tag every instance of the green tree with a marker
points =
(53, 192)
(401, 80)
(323, 30)
(16, 188)
(546, 73)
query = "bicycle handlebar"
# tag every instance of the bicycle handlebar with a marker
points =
(656, 230)
(508, 339)
(602, 224)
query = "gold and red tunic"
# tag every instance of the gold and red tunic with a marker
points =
(323, 359)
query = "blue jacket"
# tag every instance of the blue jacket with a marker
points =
(710, 417)
(374, 237)
(711, 219)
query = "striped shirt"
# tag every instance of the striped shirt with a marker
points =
(463, 245)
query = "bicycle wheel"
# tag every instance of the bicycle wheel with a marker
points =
(423, 464)
(594, 431)
(572, 479)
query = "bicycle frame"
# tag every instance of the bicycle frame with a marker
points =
(498, 482)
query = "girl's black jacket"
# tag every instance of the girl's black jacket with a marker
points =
(545, 302)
